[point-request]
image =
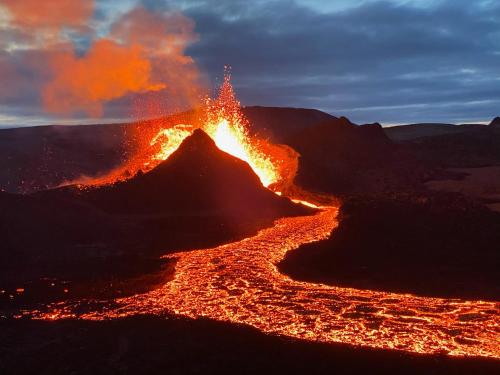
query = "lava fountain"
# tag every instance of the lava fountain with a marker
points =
(225, 123)
(228, 127)
(223, 120)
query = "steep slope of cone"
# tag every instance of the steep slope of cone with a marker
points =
(198, 177)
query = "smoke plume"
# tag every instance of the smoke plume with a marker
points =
(141, 59)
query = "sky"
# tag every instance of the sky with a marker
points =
(392, 61)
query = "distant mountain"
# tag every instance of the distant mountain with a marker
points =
(36, 158)
(495, 122)
(450, 146)
(465, 146)
(281, 124)
(338, 156)
(413, 131)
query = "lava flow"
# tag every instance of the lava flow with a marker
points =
(240, 283)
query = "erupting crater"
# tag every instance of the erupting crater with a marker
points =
(222, 119)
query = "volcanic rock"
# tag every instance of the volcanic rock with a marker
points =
(435, 244)
(41, 233)
(495, 122)
(340, 157)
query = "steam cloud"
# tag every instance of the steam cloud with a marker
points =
(106, 72)
(141, 58)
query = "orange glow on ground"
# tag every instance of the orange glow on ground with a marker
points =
(239, 283)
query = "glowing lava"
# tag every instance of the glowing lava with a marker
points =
(239, 283)
(169, 140)
(227, 126)
(223, 120)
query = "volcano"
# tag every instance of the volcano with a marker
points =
(197, 177)
(200, 196)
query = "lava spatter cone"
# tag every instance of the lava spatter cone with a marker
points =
(197, 177)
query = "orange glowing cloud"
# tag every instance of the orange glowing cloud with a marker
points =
(144, 53)
(141, 61)
(108, 71)
(48, 14)
(165, 37)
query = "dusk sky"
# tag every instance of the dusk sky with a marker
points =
(373, 61)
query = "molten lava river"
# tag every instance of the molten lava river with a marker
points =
(240, 283)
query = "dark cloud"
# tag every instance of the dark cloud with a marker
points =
(387, 61)
(376, 62)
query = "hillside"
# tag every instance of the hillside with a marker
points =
(340, 157)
